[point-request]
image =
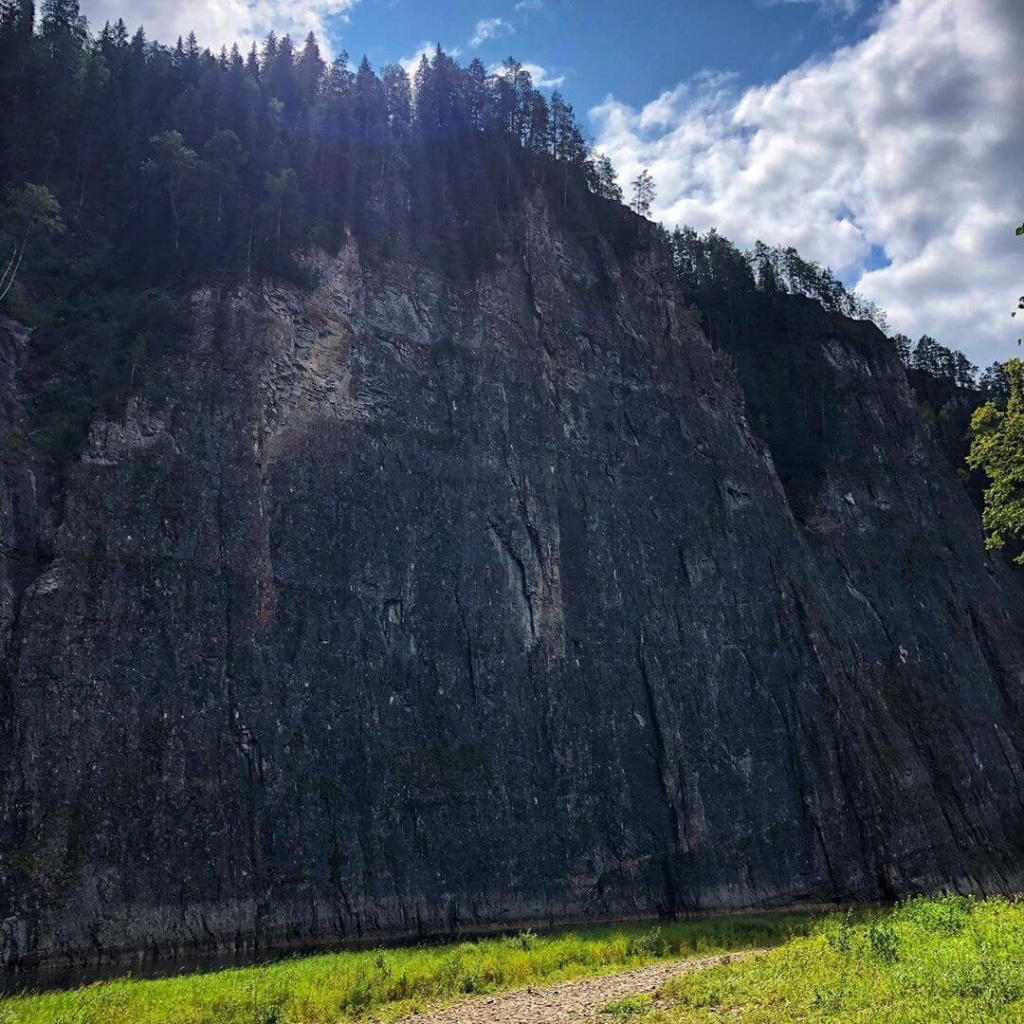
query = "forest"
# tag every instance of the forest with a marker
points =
(130, 170)
(187, 161)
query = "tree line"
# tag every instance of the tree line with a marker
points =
(176, 157)
(131, 171)
(714, 275)
(709, 262)
(709, 265)
(128, 168)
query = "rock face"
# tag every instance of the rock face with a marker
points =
(423, 607)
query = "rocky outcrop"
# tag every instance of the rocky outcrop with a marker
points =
(425, 606)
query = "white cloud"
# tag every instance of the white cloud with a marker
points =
(413, 62)
(539, 75)
(529, 5)
(425, 49)
(490, 28)
(219, 23)
(908, 142)
(843, 7)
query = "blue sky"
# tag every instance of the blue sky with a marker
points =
(880, 137)
(632, 50)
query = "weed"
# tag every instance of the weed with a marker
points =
(883, 943)
(351, 986)
(631, 1006)
(951, 959)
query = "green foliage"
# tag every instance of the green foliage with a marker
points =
(883, 945)
(92, 343)
(727, 287)
(177, 162)
(32, 208)
(29, 212)
(650, 944)
(605, 183)
(643, 193)
(998, 447)
(167, 168)
(349, 986)
(950, 959)
(628, 1008)
(709, 266)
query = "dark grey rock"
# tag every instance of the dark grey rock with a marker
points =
(424, 607)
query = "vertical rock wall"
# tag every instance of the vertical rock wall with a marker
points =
(422, 607)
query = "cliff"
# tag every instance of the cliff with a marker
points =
(421, 605)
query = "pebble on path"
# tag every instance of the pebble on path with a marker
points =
(566, 1002)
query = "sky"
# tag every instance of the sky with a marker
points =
(884, 138)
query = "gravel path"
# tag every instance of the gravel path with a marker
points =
(566, 1003)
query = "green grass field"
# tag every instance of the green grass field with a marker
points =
(350, 986)
(926, 962)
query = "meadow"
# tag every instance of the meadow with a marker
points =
(952, 959)
(948, 959)
(350, 986)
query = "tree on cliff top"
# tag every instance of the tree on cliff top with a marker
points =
(644, 192)
(30, 211)
(998, 448)
(170, 160)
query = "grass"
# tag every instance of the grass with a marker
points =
(949, 960)
(351, 986)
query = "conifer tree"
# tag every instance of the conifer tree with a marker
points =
(644, 193)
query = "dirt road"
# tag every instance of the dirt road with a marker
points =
(565, 1003)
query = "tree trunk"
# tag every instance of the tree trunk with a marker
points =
(174, 215)
(248, 255)
(14, 272)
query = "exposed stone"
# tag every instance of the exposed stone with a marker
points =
(425, 607)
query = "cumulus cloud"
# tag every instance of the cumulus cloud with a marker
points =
(490, 28)
(529, 5)
(897, 161)
(412, 62)
(219, 23)
(539, 75)
(425, 49)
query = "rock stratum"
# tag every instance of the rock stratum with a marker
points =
(422, 606)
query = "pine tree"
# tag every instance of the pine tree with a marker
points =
(644, 193)
(903, 346)
(310, 71)
(62, 18)
(476, 97)
(398, 101)
(606, 181)
(252, 62)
